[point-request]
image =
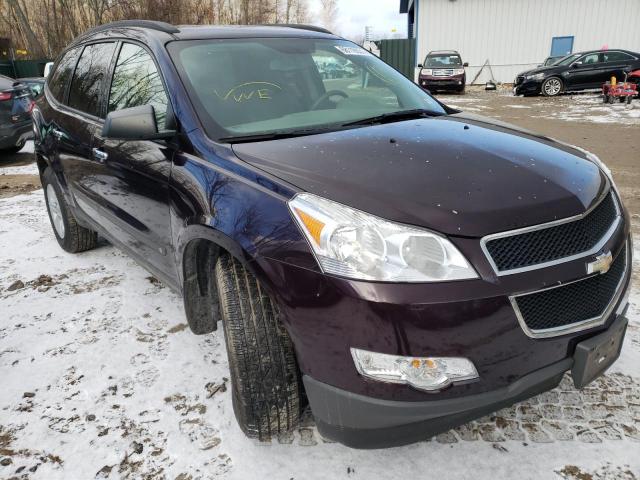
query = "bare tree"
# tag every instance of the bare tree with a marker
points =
(329, 13)
(44, 27)
(24, 26)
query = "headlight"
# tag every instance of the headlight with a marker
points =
(351, 243)
(427, 71)
(422, 373)
(458, 71)
(537, 76)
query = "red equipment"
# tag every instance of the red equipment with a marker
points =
(625, 91)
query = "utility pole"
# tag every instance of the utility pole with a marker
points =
(367, 33)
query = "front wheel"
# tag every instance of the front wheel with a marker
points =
(552, 87)
(264, 375)
(72, 237)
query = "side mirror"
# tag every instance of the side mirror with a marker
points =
(465, 64)
(576, 64)
(135, 123)
(419, 65)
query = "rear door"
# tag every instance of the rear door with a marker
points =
(615, 64)
(79, 121)
(133, 188)
(54, 109)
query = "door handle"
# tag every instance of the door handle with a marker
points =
(100, 155)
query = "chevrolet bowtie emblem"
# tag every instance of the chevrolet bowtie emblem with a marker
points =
(601, 264)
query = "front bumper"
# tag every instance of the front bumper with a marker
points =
(13, 134)
(527, 87)
(359, 421)
(326, 316)
(455, 83)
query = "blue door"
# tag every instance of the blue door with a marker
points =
(561, 46)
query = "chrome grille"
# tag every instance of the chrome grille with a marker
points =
(564, 240)
(443, 72)
(572, 306)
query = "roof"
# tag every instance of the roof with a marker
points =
(443, 52)
(193, 32)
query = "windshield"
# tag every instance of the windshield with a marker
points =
(258, 86)
(448, 60)
(567, 60)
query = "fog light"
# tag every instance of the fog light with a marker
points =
(423, 373)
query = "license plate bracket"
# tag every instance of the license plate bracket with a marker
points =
(594, 355)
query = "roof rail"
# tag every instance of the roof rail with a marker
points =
(150, 24)
(299, 26)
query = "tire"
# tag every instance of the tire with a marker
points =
(605, 99)
(629, 98)
(72, 237)
(552, 87)
(265, 380)
(612, 99)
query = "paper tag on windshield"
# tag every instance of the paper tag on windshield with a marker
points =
(351, 50)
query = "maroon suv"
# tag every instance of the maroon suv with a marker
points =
(397, 264)
(443, 71)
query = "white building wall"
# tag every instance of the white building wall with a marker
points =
(515, 35)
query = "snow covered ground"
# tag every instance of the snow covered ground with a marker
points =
(585, 107)
(101, 378)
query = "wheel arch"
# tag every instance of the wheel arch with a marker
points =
(198, 250)
(42, 163)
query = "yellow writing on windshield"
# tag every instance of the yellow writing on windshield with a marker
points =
(249, 90)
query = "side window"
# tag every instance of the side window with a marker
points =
(136, 82)
(590, 59)
(89, 78)
(617, 57)
(60, 78)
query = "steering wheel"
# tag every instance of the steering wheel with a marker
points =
(326, 96)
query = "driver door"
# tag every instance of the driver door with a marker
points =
(586, 72)
(134, 192)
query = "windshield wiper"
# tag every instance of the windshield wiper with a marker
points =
(277, 135)
(395, 116)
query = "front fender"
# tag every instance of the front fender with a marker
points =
(216, 197)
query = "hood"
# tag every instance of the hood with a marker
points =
(460, 174)
(533, 71)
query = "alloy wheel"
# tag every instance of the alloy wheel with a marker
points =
(552, 87)
(56, 212)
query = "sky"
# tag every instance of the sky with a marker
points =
(354, 15)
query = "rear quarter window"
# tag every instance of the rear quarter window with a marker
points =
(62, 74)
(87, 86)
